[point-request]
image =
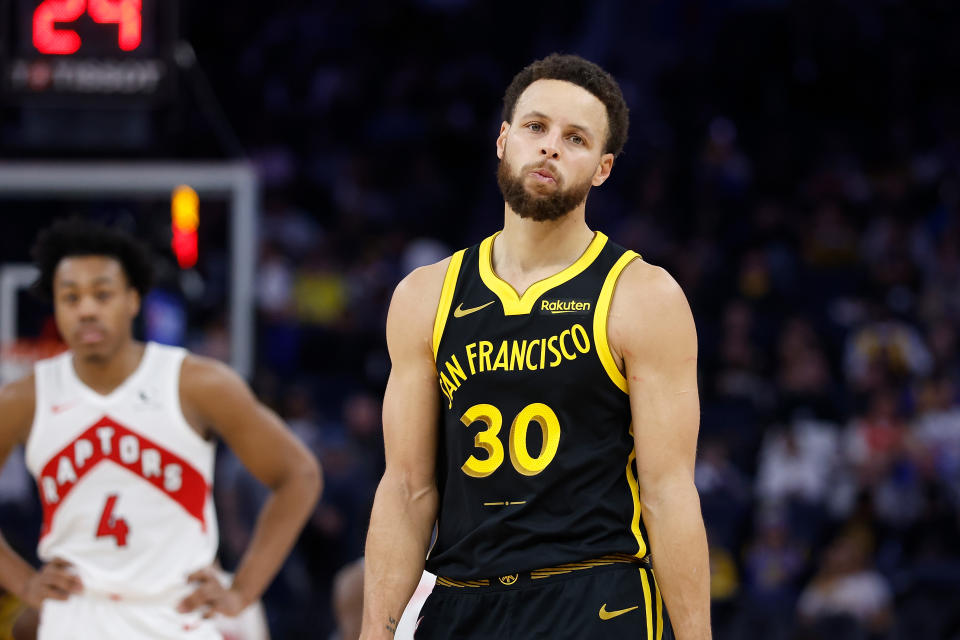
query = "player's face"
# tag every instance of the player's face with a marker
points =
(553, 151)
(94, 305)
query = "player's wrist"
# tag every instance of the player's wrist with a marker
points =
(380, 633)
(245, 596)
(23, 590)
(379, 626)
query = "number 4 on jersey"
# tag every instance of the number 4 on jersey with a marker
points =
(110, 526)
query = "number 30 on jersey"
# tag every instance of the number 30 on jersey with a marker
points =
(489, 441)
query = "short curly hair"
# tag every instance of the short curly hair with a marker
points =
(78, 237)
(583, 73)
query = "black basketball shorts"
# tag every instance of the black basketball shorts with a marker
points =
(619, 600)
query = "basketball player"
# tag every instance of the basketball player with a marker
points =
(120, 436)
(542, 408)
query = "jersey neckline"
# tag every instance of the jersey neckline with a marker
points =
(515, 304)
(101, 398)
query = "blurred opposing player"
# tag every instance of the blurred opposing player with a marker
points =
(542, 408)
(120, 437)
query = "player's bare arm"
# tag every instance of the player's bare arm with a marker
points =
(653, 337)
(215, 399)
(54, 580)
(405, 507)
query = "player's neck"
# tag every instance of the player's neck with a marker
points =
(527, 247)
(106, 374)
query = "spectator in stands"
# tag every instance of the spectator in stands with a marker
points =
(876, 439)
(773, 564)
(845, 595)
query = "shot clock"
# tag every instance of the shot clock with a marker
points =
(95, 48)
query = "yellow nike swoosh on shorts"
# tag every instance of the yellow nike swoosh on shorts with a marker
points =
(459, 312)
(607, 615)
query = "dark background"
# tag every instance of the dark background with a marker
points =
(794, 165)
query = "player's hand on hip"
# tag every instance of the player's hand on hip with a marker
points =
(211, 596)
(55, 580)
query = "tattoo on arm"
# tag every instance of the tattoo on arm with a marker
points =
(391, 624)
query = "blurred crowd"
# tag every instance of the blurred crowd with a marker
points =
(795, 166)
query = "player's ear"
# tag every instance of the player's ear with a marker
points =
(502, 139)
(133, 302)
(603, 169)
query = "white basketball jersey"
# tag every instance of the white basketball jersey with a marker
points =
(125, 482)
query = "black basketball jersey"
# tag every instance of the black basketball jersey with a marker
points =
(535, 458)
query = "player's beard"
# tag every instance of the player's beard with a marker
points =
(545, 207)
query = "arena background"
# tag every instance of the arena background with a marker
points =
(794, 165)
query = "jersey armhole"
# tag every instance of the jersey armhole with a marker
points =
(600, 320)
(446, 298)
(39, 400)
(172, 393)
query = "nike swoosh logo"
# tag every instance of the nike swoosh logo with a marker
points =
(607, 615)
(459, 312)
(60, 408)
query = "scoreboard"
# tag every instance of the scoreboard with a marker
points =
(88, 48)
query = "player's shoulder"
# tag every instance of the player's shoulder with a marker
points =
(413, 308)
(425, 281)
(645, 287)
(201, 373)
(207, 386)
(20, 392)
(18, 403)
(417, 294)
(649, 309)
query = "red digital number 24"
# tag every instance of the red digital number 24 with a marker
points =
(126, 14)
(111, 527)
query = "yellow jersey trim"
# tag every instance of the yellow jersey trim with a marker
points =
(635, 494)
(546, 572)
(600, 320)
(513, 303)
(613, 558)
(646, 602)
(450, 582)
(446, 298)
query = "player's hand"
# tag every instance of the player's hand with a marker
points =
(56, 580)
(211, 597)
